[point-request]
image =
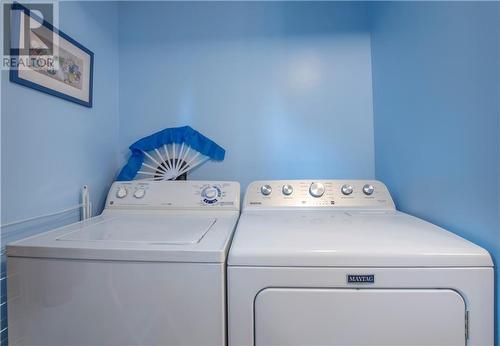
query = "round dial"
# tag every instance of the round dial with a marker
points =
(287, 189)
(210, 194)
(368, 189)
(121, 192)
(317, 189)
(139, 193)
(347, 189)
(266, 190)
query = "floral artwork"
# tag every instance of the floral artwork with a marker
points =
(66, 68)
(52, 62)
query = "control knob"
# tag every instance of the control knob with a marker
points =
(139, 193)
(121, 192)
(287, 189)
(266, 190)
(368, 189)
(347, 189)
(317, 189)
(210, 192)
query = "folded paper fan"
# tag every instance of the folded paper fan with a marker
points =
(169, 155)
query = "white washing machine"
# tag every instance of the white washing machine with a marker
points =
(333, 263)
(149, 271)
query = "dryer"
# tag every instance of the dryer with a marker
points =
(332, 262)
(151, 270)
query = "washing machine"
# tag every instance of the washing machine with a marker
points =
(332, 262)
(150, 270)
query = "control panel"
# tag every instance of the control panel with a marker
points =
(333, 194)
(137, 194)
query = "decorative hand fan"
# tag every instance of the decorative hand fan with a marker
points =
(169, 155)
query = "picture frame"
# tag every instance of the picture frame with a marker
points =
(48, 60)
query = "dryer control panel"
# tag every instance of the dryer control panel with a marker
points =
(139, 194)
(332, 194)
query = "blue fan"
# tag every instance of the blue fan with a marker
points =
(169, 155)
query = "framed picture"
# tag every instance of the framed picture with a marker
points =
(48, 60)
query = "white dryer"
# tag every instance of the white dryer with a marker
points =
(333, 263)
(149, 271)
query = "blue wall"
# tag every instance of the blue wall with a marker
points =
(436, 75)
(51, 147)
(285, 87)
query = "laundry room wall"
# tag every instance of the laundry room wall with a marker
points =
(51, 147)
(284, 87)
(436, 75)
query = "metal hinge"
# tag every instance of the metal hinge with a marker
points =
(466, 326)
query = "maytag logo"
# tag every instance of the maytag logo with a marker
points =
(360, 279)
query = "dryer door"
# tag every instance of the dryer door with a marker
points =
(359, 317)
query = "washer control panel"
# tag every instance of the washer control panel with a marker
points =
(137, 194)
(347, 194)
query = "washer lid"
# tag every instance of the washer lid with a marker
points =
(151, 229)
(348, 239)
(175, 236)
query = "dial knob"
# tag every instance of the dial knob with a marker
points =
(139, 193)
(368, 189)
(266, 190)
(210, 192)
(287, 189)
(317, 189)
(121, 192)
(347, 189)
